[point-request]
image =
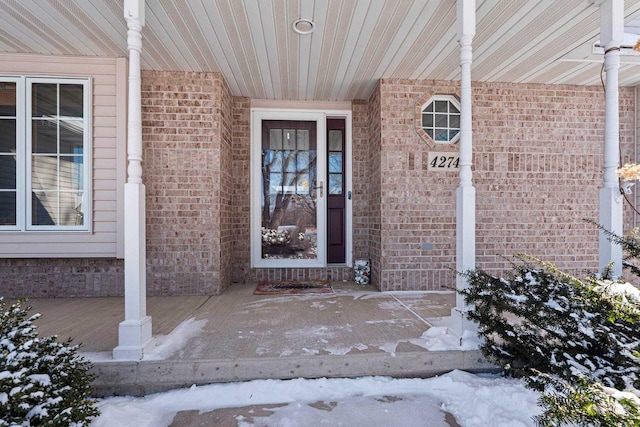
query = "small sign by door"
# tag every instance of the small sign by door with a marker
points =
(443, 161)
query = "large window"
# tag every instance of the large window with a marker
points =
(44, 154)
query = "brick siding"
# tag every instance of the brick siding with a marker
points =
(54, 278)
(186, 119)
(537, 170)
(241, 189)
(374, 187)
(361, 149)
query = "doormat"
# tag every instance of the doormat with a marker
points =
(294, 287)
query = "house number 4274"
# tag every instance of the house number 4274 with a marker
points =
(443, 161)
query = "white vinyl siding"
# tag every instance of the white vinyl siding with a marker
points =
(100, 234)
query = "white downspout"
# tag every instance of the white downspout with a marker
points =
(611, 207)
(134, 334)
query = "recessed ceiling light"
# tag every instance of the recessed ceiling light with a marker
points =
(303, 26)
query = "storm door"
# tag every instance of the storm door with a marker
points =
(293, 187)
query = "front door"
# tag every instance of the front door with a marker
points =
(299, 211)
(288, 190)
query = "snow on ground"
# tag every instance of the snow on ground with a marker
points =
(474, 401)
(627, 290)
(166, 345)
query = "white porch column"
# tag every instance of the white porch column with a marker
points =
(134, 337)
(466, 193)
(611, 37)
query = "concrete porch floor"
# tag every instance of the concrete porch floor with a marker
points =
(355, 331)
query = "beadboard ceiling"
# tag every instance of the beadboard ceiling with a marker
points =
(356, 42)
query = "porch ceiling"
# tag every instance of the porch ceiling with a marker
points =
(356, 42)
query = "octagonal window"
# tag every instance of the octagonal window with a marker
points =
(441, 119)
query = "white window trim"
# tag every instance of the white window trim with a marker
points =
(448, 98)
(23, 154)
(320, 116)
(20, 154)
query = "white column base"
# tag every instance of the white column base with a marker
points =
(465, 256)
(134, 334)
(465, 328)
(135, 339)
(611, 220)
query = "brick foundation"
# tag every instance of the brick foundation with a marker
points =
(53, 278)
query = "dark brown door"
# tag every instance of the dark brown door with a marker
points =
(336, 223)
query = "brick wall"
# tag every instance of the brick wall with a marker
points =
(360, 166)
(54, 278)
(537, 171)
(224, 111)
(241, 189)
(187, 172)
(374, 188)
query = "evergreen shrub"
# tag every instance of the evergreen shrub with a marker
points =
(575, 341)
(43, 382)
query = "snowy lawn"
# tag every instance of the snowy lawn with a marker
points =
(474, 400)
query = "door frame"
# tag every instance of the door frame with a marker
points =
(320, 117)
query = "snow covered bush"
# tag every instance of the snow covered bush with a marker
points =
(576, 341)
(42, 382)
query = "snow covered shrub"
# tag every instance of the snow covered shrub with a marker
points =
(576, 341)
(586, 403)
(631, 247)
(42, 382)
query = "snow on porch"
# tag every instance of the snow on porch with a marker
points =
(240, 336)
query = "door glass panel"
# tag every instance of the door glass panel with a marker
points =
(335, 140)
(275, 139)
(289, 139)
(289, 217)
(303, 140)
(335, 162)
(335, 157)
(335, 183)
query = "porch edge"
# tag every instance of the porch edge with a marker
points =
(146, 377)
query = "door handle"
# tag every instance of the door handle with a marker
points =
(321, 188)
